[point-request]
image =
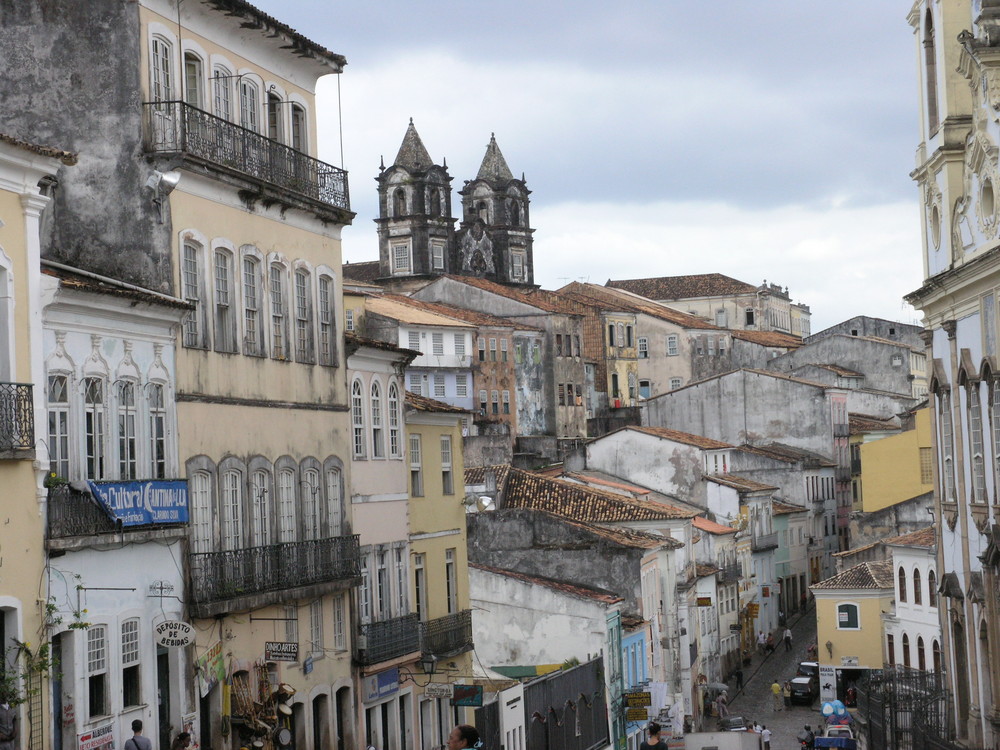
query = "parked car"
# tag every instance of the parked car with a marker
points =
(837, 735)
(808, 669)
(732, 724)
(804, 689)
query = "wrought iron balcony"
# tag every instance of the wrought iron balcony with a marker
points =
(764, 542)
(389, 639)
(842, 474)
(17, 421)
(255, 572)
(72, 513)
(449, 635)
(730, 574)
(178, 128)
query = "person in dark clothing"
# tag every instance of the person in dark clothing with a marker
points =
(654, 742)
(739, 679)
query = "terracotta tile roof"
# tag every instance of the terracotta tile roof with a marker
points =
(620, 299)
(779, 508)
(66, 157)
(70, 279)
(631, 622)
(711, 527)
(926, 537)
(424, 403)
(624, 537)
(525, 296)
(862, 423)
(459, 313)
(591, 478)
(855, 550)
(838, 370)
(698, 441)
(402, 309)
(739, 483)
(477, 474)
(866, 575)
(524, 489)
(775, 339)
(355, 342)
(366, 271)
(572, 589)
(272, 27)
(685, 287)
(702, 570)
(788, 454)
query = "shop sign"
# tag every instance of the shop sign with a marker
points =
(636, 714)
(144, 503)
(827, 682)
(438, 690)
(704, 601)
(101, 738)
(174, 634)
(383, 684)
(307, 665)
(735, 627)
(210, 668)
(281, 651)
(753, 609)
(467, 695)
(638, 700)
(849, 661)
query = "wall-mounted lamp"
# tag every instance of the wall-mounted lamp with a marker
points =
(829, 648)
(428, 663)
(162, 184)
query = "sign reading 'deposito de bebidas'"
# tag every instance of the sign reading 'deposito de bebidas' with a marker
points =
(143, 503)
(174, 634)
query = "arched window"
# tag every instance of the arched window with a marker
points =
(334, 502)
(310, 504)
(930, 71)
(327, 330)
(931, 589)
(126, 429)
(890, 647)
(200, 498)
(260, 507)
(232, 510)
(253, 329)
(435, 202)
(286, 506)
(917, 591)
(225, 320)
(482, 210)
(921, 657)
(275, 131)
(279, 323)
(193, 72)
(906, 650)
(393, 408)
(936, 652)
(902, 584)
(378, 446)
(515, 212)
(192, 287)
(249, 105)
(303, 318)
(358, 418)
(299, 132)
(976, 448)
(399, 202)
(58, 413)
(222, 86)
(93, 426)
(161, 70)
(947, 446)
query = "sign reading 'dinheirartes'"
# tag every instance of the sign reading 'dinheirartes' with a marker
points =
(144, 502)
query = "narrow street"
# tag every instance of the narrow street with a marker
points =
(755, 700)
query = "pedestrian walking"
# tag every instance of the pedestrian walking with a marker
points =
(137, 741)
(786, 692)
(722, 704)
(739, 679)
(765, 737)
(787, 637)
(761, 642)
(654, 742)
(776, 695)
(770, 643)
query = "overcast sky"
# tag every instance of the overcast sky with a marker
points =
(760, 140)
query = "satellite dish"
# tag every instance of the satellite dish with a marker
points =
(485, 503)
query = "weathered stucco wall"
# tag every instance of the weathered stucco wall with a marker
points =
(872, 358)
(60, 87)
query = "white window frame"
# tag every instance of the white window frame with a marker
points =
(161, 69)
(392, 405)
(253, 307)
(201, 503)
(358, 419)
(231, 496)
(285, 491)
(447, 475)
(303, 316)
(377, 419)
(278, 299)
(327, 329)
(401, 258)
(156, 411)
(672, 345)
(192, 288)
(451, 580)
(97, 666)
(416, 466)
(316, 628)
(58, 407)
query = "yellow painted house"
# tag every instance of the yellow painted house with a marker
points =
(23, 451)
(439, 559)
(849, 624)
(898, 467)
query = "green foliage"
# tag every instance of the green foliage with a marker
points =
(22, 671)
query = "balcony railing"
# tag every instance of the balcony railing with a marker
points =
(842, 474)
(730, 574)
(72, 513)
(764, 542)
(448, 635)
(218, 576)
(17, 420)
(841, 430)
(389, 639)
(178, 128)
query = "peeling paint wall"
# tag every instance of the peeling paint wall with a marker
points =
(61, 88)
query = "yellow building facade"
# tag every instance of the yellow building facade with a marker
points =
(898, 467)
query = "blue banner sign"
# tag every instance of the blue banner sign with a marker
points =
(144, 502)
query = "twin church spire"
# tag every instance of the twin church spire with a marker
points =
(416, 228)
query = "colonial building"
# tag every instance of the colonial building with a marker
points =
(956, 174)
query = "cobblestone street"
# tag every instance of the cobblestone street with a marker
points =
(755, 700)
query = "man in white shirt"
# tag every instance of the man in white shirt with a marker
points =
(765, 737)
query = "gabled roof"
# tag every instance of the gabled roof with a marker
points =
(863, 423)
(523, 489)
(404, 310)
(622, 536)
(787, 454)
(66, 157)
(698, 441)
(711, 527)
(425, 403)
(355, 342)
(703, 570)
(866, 575)
(775, 339)
(621, 299)
(740, 483)
(592, 477)
(926, 537)
(582, 592)
(838, 370)
(519, 294)
(494, 167)
(685, 287)
(412, 154)
(71, 278)
(477, 474)
(366, 271)
(469, 316)
(779, 508)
